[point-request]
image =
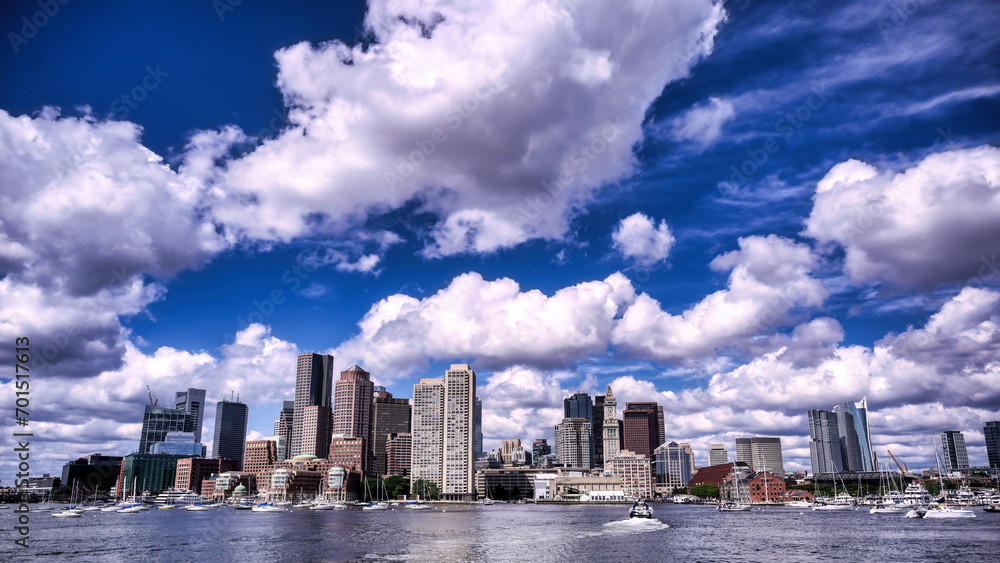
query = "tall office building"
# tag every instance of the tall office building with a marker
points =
(283, 430)
(479, 429)
(642, 428)
(193, 401)
(259, 459)
(992, 432)
(855, 437)
(443, 432)
(389, 416)
(598, 430)
(956, 457)
(230, 431)
(579, 405)
(352, 403)
(179, 443)
(824, 442)
(673, 464)
(427, 430)
(158, 421)
(761, 454)
(539, 449)
(575, 443)
(311, 424)
(612, 430)
(717, 454)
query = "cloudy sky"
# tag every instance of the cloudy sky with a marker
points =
(740, 210)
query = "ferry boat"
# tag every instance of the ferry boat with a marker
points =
(178, 496)
(640, 511)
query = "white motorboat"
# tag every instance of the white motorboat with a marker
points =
(130, 509)
(418, 506)
(267, 507)
(67, 514)
(197, 508)
(640, 511)
(178, 496)
(886, 509)
(799, 504)
(323, 506)
(376, 506)
(945, 511)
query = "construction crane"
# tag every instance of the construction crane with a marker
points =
(152, 402)
(901, 466)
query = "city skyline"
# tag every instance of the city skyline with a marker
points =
(739, 211)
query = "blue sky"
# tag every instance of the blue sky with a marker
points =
(741, 210)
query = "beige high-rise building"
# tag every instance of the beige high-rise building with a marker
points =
(509, 449)
(443, 431)
(311, 422)
(634, 471)
(574, 443)
(717, 454)
(352, 403)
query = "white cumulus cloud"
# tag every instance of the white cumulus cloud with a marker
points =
(639, 238)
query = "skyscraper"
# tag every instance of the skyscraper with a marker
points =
(612, 444)
(352, 404)
(389, 416)
(427, 429)
(283, 430)
(824, 442)
(992, 432)
(311, 424)
(230, 431)
(479, 429)
(443, 431)
(193, 401)
(575, 443)
(539, 449)
(598, 431)
(642, 428)
(158, 421)
(459, 473)
(761, 454)
(673, 463)
(579, 405)
(717, 454)
(955, 455)
(855, 437)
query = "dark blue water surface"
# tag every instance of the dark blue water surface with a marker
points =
(502, 533)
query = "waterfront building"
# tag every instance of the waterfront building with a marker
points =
(192, 401)
(343, 484)
(642, 425)
(427, 430)
(351, 453)
(824, 442)
(674, 465)
(398, 452)
(956, 458)
(612, 430)
(158, 421)
(150, 472)
(92, 472)
(312, 419)
(573, 443)
(716, 475)
(389, 416)
(635, 473)
(443, 431)
(856, 442)
(296, 484)
(192, 471)
(765, 486)
(229, 485)
(260, 458)
(283, 429)
(717, 454)
(598, 431)
(761, 454)
(179, 443)
(991, 430)
(230, 431)
(589, 488)
(539, 449)
(511, 483)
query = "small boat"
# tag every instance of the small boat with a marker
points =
(197, 508)
(730, 506)
(418, 506)
(323, 506)
(243, 506)
(267, 507)
(995, 507)
(640, 511)
(67, 514)
(166, 506)
(886, 509)
(303, 505)
(376, 506)
(130, 509)
(946, 511)
(799, 504)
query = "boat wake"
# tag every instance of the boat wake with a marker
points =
(634, 526)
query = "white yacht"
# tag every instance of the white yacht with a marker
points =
(945, 511)
(267, 507)
(916, 495)
(178, 496)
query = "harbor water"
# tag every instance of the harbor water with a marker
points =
(502, 533)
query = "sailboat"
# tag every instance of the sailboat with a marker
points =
(377, 504)
(841, 501)
(739, 504)
(885, 504)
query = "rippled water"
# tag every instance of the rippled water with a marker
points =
(503, 533)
